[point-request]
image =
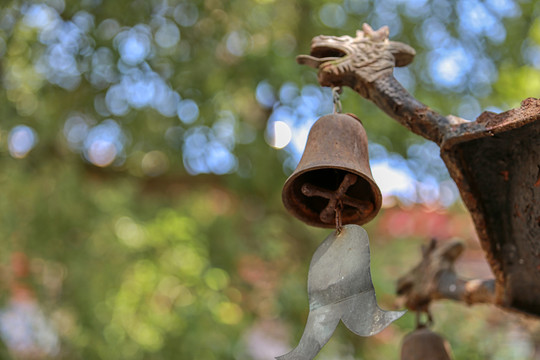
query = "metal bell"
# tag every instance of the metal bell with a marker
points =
(423, 344)
(333, 174)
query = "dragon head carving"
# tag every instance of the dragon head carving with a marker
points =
(355, 62)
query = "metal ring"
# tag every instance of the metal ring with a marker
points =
(336, 91)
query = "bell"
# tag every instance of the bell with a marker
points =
(333, 177)
(423, 344)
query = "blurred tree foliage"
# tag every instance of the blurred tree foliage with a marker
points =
(138, 179)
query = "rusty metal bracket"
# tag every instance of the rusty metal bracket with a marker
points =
(495, 160)
(435, 278)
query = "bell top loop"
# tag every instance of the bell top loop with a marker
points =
(336, 92)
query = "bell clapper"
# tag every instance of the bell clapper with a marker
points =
(328, 214)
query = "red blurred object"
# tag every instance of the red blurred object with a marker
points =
(20, 265)
(422, 222)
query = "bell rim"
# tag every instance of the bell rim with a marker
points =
(287, 203)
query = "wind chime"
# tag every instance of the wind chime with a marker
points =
(333, 187)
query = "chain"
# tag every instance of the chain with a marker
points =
(336, 91)
(429, 318)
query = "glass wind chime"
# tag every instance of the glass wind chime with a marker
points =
(333, 187)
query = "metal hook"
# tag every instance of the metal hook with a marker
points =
(429, 318)
(336, 92)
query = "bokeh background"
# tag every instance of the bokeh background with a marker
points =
(143, 148)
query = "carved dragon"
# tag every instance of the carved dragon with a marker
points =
(495, 160)
(355, 61)
(366, 64)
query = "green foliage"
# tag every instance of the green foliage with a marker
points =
(155, 230)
